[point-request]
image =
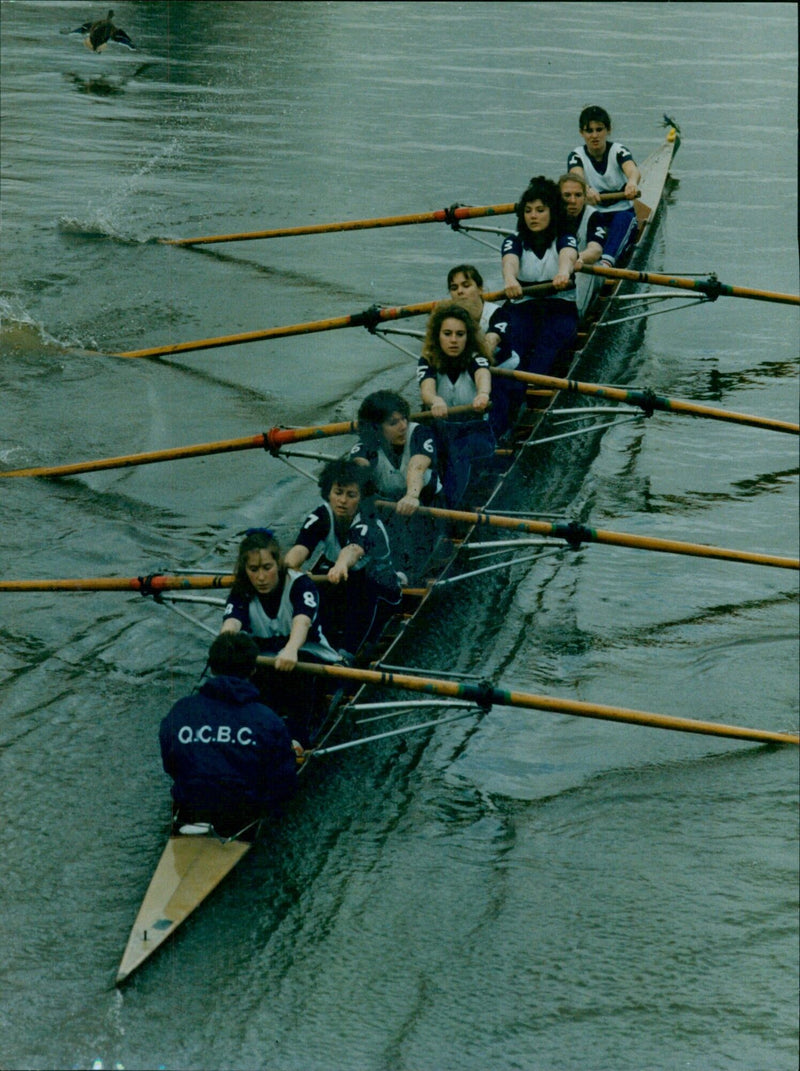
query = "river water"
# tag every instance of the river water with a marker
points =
(530, 891)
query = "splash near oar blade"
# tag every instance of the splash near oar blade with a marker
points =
(485, 696)
(711, 287)
(648, 401)
(451, 215)
(576, 534)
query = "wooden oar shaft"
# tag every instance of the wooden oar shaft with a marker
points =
(369, 318)
(576, 534)
(443, 215)
(150, 457)
(486, 695)
(649, 401)
(268, 440)
(711, 287)
(147, 585)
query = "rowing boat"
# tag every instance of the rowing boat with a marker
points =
(196, 859)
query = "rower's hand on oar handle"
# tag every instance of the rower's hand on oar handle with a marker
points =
(286, 659)
(407, 505)
(562, 280)
(439, 407)
(480, 401)
(513, 290)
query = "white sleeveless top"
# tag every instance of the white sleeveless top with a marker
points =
(266, 627)
(391, 480)
(612, 181)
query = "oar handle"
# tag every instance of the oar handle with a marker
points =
(618, 195)
(486, 695)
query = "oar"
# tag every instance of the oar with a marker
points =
(450, 215)
(270, 440)
(486, 695)
(575, 534)
(619, 195)
(369, 318)
(147, 585)
(711, 286)
(648, 401)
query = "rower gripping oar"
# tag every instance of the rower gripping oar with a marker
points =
(648, 401)
(486, 695)
(711, 286)
(575, 534)
(452, 216)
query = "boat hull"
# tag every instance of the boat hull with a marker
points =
(190, 868)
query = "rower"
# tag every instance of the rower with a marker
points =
(402, 460)
(362, 586)
(541, 251)
(590, 228)
(279, 607)
(465, 284)
(607, 167)
(230, 757)
(453, 371)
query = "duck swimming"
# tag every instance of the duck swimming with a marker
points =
(96, 35)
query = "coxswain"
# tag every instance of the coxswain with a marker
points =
(230, 757)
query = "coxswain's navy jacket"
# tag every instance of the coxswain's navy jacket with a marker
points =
(226, 751)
